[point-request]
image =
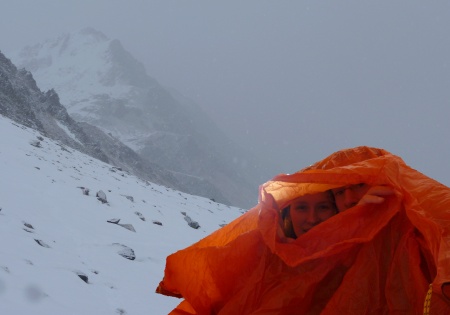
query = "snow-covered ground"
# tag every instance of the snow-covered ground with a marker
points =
(60, 255)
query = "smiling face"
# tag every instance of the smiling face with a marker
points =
(349, 196)
(309, 210)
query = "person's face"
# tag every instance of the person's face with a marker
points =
(309, 210)
(349, 196)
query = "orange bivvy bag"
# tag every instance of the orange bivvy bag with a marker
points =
(389, 258)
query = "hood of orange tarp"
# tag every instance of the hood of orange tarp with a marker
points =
(382, 256)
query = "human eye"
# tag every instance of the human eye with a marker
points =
(359, 186)
(301, 207)
(338, 192)
(324, 207)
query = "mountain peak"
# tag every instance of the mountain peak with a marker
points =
(83, 63)
(102, 84)
(93, 34)
(85, 37)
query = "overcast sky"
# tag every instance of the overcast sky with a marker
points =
(292, 80)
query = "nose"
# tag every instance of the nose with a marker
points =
(312, 217)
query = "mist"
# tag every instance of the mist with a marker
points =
(291, 81)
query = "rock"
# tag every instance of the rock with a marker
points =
(28, 225)
(140, 215)
(129, 198)
(82, 276)
(101, 196)
(84, 190)
(42, 243)
(36, 143)
(125, 251)
(128, 227)
(191, 223)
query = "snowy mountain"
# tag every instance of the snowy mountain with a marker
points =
(100, 83)
(22, 101)
(81, 237)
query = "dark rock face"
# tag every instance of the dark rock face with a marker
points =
(16, 90)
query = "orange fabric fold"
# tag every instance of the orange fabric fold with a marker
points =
(373, 259)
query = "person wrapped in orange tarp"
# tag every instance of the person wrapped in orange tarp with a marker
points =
(389, 256)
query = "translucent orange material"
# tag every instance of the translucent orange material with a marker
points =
(372, 259)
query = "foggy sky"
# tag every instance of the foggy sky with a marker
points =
(293, 81)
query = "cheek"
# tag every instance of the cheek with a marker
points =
(326, 215)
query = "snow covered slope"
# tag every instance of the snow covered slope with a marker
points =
(100, 83)
(64, 251)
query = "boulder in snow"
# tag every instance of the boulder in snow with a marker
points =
(101, 196)
(128, 227)
(125, 251)
(193, 224)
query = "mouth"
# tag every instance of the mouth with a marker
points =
(306, 229)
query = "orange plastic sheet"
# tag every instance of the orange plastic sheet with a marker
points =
(372, 259)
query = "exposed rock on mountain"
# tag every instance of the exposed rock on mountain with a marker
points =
(100, 83)
(22, 101)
